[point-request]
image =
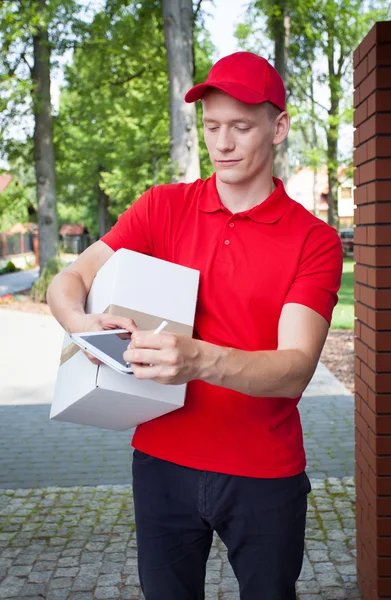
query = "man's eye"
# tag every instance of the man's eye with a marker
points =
(243, 128)
(211, 128)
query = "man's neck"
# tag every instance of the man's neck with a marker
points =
(244, 196)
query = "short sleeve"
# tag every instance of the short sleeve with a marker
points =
(132, 229)
(318, 277)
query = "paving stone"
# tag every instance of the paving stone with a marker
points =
(107, 593)
(10, 587)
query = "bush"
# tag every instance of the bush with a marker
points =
(40, 287)
(9, 268)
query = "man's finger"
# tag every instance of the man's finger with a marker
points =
(143, 356)
(148, 339)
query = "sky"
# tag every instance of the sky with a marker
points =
(222, 23)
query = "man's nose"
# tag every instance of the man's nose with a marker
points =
(224, 141)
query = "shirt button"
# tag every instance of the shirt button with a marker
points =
(232, 224)
(227, 242)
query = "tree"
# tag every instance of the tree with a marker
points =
(28, 34)
(112, 133)
(323, 30)
(178, 29)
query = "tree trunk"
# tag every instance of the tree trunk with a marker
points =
(178, 33)
(280, 27)
(43, 142)
(103, 211)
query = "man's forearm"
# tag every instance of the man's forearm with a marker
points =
(66, 297)
(274, 373)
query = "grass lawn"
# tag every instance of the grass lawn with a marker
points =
(343, 316)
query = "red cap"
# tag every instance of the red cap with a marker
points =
(246, 77)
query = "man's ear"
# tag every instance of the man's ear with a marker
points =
(281, 128)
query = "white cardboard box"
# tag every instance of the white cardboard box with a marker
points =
(148, 290)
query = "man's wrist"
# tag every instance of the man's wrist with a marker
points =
(211, 362)
(75, 322)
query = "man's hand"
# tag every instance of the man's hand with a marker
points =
(165, 357)
(99, 322)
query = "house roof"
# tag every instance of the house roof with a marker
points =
(22, 228)
(5, 180)
(73, 229)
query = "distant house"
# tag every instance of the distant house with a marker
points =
(74, 238)
(5, 180)
(313, 195)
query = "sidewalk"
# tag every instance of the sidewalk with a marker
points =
(73, 542)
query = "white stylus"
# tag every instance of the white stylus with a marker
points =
(162, 325)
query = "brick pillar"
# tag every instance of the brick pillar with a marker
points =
(372, 237)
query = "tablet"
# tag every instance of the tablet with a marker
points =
(108, 346)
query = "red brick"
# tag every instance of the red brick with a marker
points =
(360, 194)
(379, 101)
(379, 444)
(356, 57)
(356, 98)
(360, 387)
(379, 403)
(379, 236)
(368, 42)
(379, 191)
(377, 147)
(357, 365)
(377, 340)
(362, 462)
(362, 426)
(383, 77)
(360, 271)
(361, 350)
(377, 361)
(380, 485)
(377, 213)
(368, 85)
(383, 32)
(357, 291)
(373, 297)
(360, 72)
(360, 235)
(380, 320)
(367, 414)
(377, 124)
(356, 138)
(356, 249)
(360, 155)
(356, 177)
(361, 312)
(379, 56)
(357, 329)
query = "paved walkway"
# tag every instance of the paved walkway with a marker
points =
(77, 543)
(11, 283)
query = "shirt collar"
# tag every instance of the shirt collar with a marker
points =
(268, 211)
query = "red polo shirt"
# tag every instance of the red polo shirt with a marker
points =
(251, 264)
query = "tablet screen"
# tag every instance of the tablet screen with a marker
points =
(114, 345)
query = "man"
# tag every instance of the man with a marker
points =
(232, 459)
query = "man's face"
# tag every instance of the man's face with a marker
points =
(239, 137)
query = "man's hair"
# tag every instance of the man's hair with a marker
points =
(272, 111)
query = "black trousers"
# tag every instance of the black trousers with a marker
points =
(261, 521)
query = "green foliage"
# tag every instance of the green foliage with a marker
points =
(343, 316)
(40, 287)
(323, 35)
(113, 127)
(18, 200)
(10, 267)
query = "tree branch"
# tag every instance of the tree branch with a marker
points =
(313, 100)
(197, 10)
(123, 81)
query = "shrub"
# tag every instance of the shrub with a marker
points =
(9, 268)
(40, 287)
